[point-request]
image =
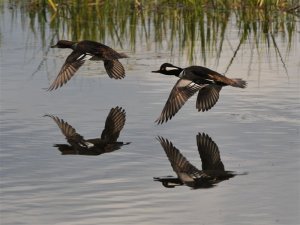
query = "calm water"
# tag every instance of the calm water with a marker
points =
(256, 129)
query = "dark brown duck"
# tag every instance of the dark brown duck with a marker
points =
(106, 143)
(87, 50)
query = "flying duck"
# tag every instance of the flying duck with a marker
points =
(87, 50)
(206, 82)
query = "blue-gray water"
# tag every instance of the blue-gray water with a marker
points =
(256, 129)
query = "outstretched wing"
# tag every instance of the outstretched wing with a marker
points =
(114, 69)
(208, 97)
(209, 153)
(114, 123)
(67, 130)
(181, 92)
(181, 166)
(74, 61)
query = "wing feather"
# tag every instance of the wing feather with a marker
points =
(207, 97)
(67, 130)
(209, 153)
(178, 162)
(74, 61)
(181, 92)
(114, 69)
(114, 123)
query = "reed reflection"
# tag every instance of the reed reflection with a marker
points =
(196, 31)
(107, 142)
(212, 172)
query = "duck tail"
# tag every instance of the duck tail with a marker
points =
(237, 82)
(123, 55)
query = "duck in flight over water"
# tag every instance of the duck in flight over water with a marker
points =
(87, 50)
(206, 82)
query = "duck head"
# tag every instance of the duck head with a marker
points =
(64, 44)
(169, 69)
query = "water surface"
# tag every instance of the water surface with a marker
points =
(256, 129)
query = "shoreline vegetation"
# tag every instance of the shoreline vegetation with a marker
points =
(198, 28)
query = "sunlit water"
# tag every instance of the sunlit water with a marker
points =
(256, 129)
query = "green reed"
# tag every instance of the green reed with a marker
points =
(193, 27)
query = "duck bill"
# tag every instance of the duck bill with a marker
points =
(53, 46)
(155, 71)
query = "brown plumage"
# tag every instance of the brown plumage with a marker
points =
(83, 51)
(212, 172)
(114, 123)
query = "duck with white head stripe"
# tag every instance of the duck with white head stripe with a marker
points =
(206, 82)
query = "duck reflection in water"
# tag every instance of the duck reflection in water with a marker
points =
(212, 172)
(115, 122)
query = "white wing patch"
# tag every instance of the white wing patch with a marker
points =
(87, 144)
(212, 81)
(84, 57)
(184, 83)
